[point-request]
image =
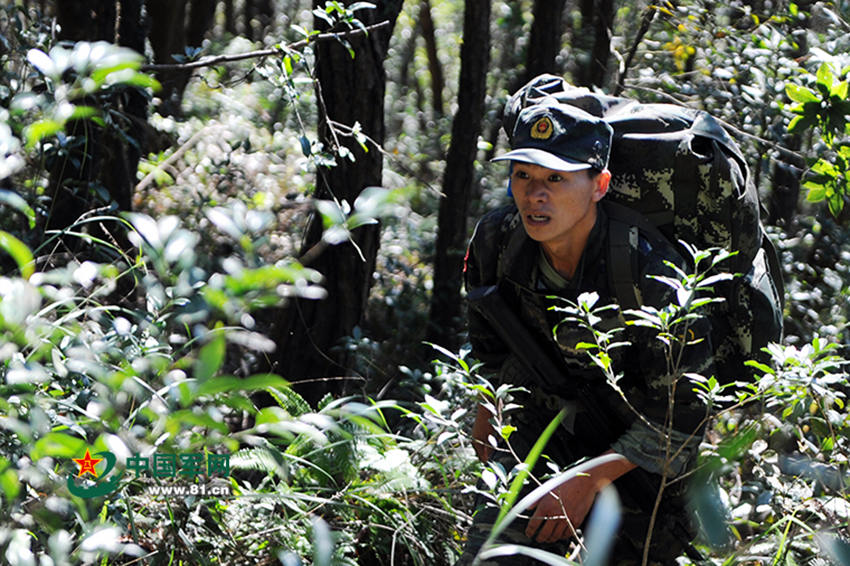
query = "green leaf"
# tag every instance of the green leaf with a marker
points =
(361, 6)
(100, 74)
(799, 93)
(39, 130)
(507, 430)
(817, 193)
(836, 204)
(323, 546)
(139, 80)
(227, 384)
(41, 61)
(305, 146)
(16, 201)
(58, 445)
(800, 124)
(825, 78)
(10, 484)
(211, 358)
(82, 112)
(374, 202)
(835, 547)
(332, 213)
(824, 167)
(19, 252)
(707, 503)
(538, 554)
(300, 30)
(733, 447)
(189, 418)
(760, 366)
(323, 15)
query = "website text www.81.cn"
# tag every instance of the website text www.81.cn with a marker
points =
(183, 490)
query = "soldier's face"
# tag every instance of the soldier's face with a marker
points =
(557, 207)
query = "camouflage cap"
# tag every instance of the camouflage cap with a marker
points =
(561, 137)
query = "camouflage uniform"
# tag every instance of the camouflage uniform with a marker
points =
(501, 253)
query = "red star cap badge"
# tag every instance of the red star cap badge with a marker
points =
(87, 464)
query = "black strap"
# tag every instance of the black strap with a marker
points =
(773, 266)
(624, 227)
(620, 273)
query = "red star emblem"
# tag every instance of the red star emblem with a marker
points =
(87, 464)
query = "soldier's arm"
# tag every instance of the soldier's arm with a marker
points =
(482, 430)
(479, 270)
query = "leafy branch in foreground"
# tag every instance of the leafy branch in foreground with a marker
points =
(788, 425)
(72, 76)
(825, 107)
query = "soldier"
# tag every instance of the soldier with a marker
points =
(552, 244)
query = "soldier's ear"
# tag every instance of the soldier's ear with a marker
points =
(601, 180)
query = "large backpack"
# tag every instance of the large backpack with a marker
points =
(677, 170)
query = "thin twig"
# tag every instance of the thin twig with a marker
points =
(645, 22)
(143, 184)
(220, 59)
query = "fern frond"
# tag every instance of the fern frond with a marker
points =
(266, 459)
(289, 400)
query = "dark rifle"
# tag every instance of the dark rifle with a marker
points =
(488, 301)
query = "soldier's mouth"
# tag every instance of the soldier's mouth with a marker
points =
(537, 218)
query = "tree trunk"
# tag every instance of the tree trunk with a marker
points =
(258, 17)
(168, 37)
(592, 42)
(603, 29)
(350, 90)
(248, 20)
(86, 21)
(230, 18)
(545, 40)
(445, 316)
(406, 76)
(99, 169)
(506, 77)
(434, 66)
(174, 30)
(201, 17)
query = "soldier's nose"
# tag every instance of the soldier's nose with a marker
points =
(537, 191)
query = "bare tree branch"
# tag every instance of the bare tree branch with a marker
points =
(220, 59)
(645, 22)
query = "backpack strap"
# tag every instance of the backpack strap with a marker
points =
(624, 228)
(773, 266)
(622, 262)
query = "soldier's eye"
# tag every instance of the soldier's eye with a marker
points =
(520, 174)
(555, 178)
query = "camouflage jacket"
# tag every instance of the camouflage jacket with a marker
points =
(500, 253)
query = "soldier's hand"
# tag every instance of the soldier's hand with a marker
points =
(481, 431)
(558, 513)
